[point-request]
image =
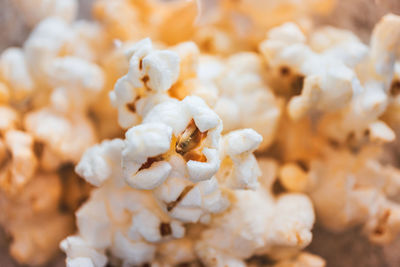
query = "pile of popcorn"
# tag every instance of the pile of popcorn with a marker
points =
(179, 133)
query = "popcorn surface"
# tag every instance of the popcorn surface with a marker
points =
(173, 160)
(195, 132)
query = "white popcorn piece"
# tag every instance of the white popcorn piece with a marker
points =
(101, 162)
(145, 223)
(35, 242)
(189, 54)
(9, 118)
(196, 201)
(76, 83)
(79, 252)
(132, 253)
(54, 39)
(60, 133)
(384, 40)
(239, 169)
(361, 188)
(22, 162)
(237, 234)
(87, 41)
(340, 43)
(165, 132)
(375, 74)
(190, 82)
(15, 74)
(239, 84)
(79, 262)
(310, 72)
(143, 142)
(94, 224)
(43, 45)
(125, 222)
(390, 117)
(151, 73)
(282, 225)
(294, 178)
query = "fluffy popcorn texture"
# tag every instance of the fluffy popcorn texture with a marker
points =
(60, 133)
(216, 26)
(241, 82)
(325, 82)
(361, 114)
(303, 259)
(15, 74)
(180, 183)
(34, 242)
(36, 204)
(239, 169)
(150, 74)
(76, 83)
(35, 11)
(282, 225)
(18, 161)
(46, 89)
(234, 26)
(169, 163)
(54, 39)
(363, 188)
(175, 158)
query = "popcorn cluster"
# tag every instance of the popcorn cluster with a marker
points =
(46, 88)
(174, 168)
(201, 132)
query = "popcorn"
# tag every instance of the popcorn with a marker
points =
(59, 134)
(158, 143)
(363, 112)
(14, 73)
(54, 39)
(81, 253)
(170, 163)
(236, 93)
(18, 161)
(240, 168)
(126, 229)
(9, 118)
(42, 88)
(229, 27)
(76, 83)
(150, 74)
(200, 147)
(4, 93)
(43, 45)
(303, 259)
(361, 187)
(34, 242)
(320, 88)
(101, 162)
(244, 235)
(114, 17)
(35, 11)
